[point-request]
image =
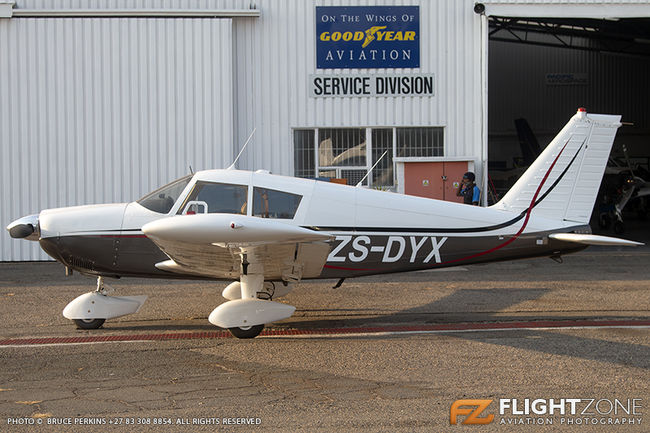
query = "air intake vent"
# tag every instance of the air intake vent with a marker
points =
(77, 262)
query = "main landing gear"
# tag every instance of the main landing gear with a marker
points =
(245, 314)
(247, 331)
(89, 323)
(92, 309)
(268, 291)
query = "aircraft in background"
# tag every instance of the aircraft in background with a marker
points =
(266, 232)
(622, 184)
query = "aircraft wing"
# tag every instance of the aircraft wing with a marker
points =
(212, 245)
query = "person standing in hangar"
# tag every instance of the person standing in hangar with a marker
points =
(468, 190)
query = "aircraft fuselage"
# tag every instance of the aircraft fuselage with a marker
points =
(414, 233)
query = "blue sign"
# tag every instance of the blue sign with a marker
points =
(367, 37)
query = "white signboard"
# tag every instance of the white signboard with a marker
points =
(370, 85)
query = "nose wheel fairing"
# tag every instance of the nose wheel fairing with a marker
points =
(96, 305)
(90, 310)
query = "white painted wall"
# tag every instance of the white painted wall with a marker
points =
(99, 110)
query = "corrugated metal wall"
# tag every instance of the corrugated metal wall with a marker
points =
(133, 4)
(104, 110)
(100, 110)
(616, 84)
(274, 56)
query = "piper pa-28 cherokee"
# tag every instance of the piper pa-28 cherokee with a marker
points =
(266, 231)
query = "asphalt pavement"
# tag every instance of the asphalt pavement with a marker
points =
(386, 353)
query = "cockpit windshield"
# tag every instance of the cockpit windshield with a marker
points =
(162, 200)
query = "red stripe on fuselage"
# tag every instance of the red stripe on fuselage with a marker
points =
(122, 236)
(498, 247)
(347, 269)
(523, 226)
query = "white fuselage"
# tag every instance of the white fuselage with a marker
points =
(371, 231)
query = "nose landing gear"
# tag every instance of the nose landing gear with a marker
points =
(90, 310)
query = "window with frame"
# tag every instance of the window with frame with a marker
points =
(162, 200)
(213, 197)
(303, 155)
(342, 147)
(349, 153)
(270, 203)
(382, 142)
(413, 142)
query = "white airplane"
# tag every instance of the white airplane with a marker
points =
(266, 231)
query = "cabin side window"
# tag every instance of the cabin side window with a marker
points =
(270, 203)
(211, 197)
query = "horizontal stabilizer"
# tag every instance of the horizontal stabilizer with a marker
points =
(593, 239)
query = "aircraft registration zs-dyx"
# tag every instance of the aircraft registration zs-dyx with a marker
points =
(267, 231)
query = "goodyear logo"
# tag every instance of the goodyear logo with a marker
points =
(367, 37)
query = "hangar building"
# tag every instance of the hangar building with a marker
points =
(102, 101)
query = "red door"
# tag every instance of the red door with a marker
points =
(424, 179)
(437, 180)
(454, 172)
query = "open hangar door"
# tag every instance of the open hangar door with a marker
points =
(541, 70)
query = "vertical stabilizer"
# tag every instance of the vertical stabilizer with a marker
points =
(565, 178)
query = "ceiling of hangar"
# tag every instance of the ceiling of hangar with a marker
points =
(629, 36)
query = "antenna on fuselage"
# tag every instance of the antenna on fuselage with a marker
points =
(191, 171)
(242, 150)
(371, 168)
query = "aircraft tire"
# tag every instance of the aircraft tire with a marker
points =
(604, 221)
(89, 323)
(250, 332)
(619, 228)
